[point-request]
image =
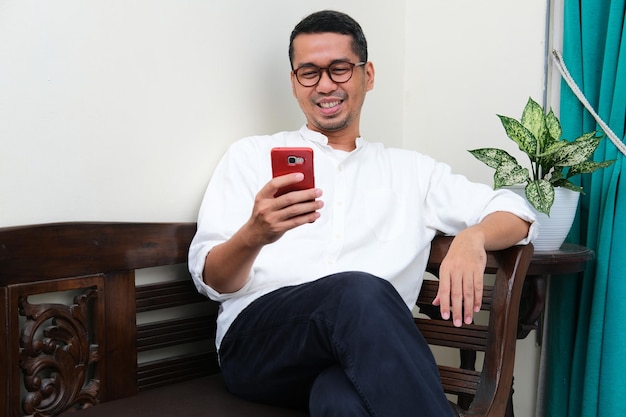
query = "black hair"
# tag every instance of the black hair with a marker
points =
(333, 22)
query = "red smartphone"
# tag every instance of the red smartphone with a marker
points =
(288, 160)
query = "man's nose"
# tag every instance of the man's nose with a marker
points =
(326, 83)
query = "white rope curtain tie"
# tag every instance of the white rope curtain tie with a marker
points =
(560, 64)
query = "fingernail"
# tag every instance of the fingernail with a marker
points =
(457, 322)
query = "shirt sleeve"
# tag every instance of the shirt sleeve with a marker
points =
(454, 203)
(226, 206)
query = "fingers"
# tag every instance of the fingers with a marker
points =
(478, 275)
(273, 216)
(454, 297)
(460, 294)
(283, 184)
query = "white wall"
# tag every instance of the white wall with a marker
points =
(119, 110)
(466, 62)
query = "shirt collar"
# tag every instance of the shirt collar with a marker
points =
(321, 139)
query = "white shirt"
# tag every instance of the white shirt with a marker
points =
(382, 207)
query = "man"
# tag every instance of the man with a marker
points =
(315, 289)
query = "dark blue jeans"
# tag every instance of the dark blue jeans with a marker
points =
(344, 345)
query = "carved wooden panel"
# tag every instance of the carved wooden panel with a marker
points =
(57, 346)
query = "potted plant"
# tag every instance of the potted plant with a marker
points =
(553, 160)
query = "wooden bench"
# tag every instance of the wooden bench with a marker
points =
(87, 321)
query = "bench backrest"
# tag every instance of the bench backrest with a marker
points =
(98, 333)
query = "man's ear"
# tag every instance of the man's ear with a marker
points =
(293, 83)
(369, 73)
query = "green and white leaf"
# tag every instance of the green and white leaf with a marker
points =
(576, 152)
(588, 167)
(569, 185)
(492, 157)
(509, 173)
(540, 194)
(554, 126)
(520, 135)
(533, 119)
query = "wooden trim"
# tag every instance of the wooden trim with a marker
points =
(164, 372)
(74, 249)
(167, 294)
(459, 381)
(120, 333)
(165, 333)
(444, 333)
(5, 373)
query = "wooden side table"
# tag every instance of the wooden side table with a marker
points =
(569, 259)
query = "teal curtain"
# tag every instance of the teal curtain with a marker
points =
(586, 373)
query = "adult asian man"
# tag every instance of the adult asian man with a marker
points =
(316, 286)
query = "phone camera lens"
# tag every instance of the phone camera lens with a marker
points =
(291, 160)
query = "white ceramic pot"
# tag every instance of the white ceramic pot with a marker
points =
(554, 229)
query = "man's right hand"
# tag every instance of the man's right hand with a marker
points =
(273, 216)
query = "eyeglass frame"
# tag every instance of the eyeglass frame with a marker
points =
(327, 69)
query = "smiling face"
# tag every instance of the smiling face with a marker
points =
(333, 109)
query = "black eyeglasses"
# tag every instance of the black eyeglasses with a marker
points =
(339, 72)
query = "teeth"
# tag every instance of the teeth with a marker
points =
(329, 105)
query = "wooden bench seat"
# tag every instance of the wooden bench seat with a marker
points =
(200, 397)
(104, 316)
